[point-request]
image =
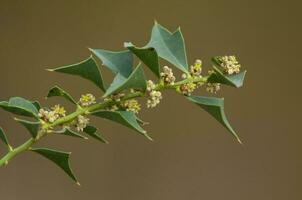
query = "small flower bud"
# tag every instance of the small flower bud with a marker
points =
(230, 64)
(213, 87)
(188, 88)
(155, 97)
(167, 75)
(150, 85)
(132, 105)
(196, 69)
(82, 122)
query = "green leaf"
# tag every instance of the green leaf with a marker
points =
(215, 107)
(92, 131)
(87, 69)
(3, 137)
(60, 158)
(136, 80)
(56, 91)
(232, 80)
(20, 106)
(32, 127)
(125, 118)
(147, 55)
(169, 46)
(69, 132)
(120, 62)
(37, 105)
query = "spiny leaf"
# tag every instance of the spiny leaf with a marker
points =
(56, 91)
(125, 118)
(87, 69)
(232, 80)
(69, 132)
(120, 62)
(136, 80)
(32, 127)
(20, 106)
(3, 137)
(169, 46)
(147, 55)
(60, 158)
(215, 107)
(92, 131)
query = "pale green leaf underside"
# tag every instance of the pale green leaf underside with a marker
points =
(136, 80)
(87, 69)
(92, 132)
(120, 62)
(56, 91)
(20, 106)
(69, 132)
(60, 158)
(32, 127)
(169, 46)
(231, 80)
(125, 118)
(147, 55)
(215, 107)
(3, 137)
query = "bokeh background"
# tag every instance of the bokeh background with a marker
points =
(192, 157)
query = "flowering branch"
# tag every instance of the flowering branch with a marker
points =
(120, 100)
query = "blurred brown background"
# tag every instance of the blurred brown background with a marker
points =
(192, 157)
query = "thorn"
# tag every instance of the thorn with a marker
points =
(78, 183)
(50, 70)
(240, 142)
(85, 138)
(155, 21)
(5, 163)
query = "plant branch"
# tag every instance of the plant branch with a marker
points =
(86, 111)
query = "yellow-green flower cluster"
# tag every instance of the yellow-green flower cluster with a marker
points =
(230, 64)
(196, 69)
(132, 105)
(87, 100)
(188, 88)
(155, 96)
(52, 115)
(82, 122)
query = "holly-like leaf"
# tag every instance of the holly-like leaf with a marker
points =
(215, 107)
(20, 106)
(87, 69)
(32, 127)
(125, 118)
(120, 62)
(56, 91)
(69, 132)
(60, 158)
(3, 137)
(92, 131)
(231, 80)
(169, 46)
(147, 55)
(136, 80)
